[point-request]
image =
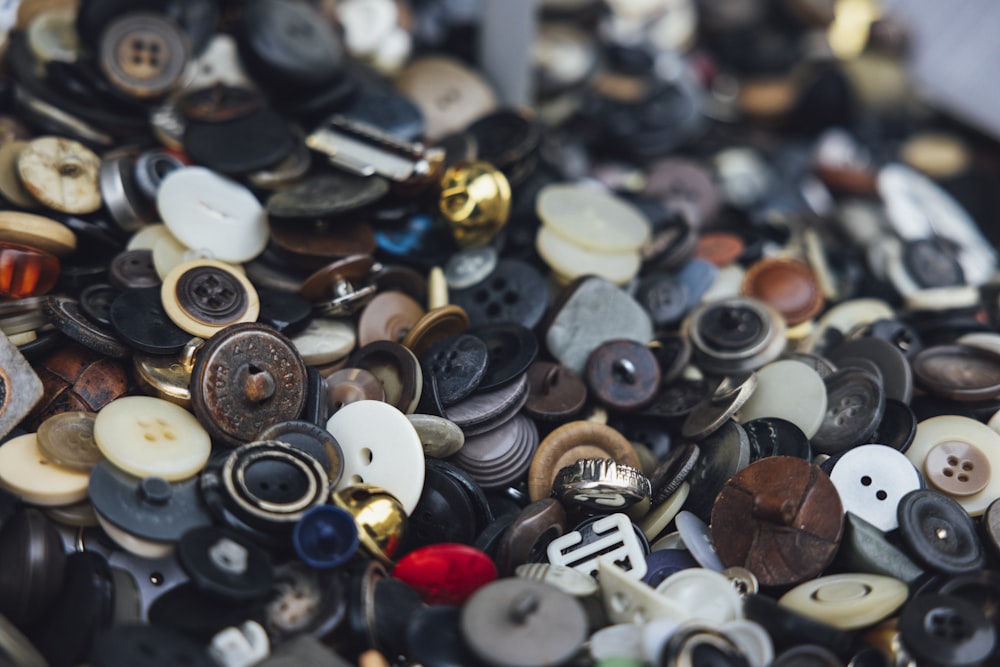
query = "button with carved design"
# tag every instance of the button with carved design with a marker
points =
(62, 174)
(204, 296)
(143, 54)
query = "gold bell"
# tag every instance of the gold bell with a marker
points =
(475, 200)
(380, 518)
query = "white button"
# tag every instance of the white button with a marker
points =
(244, 646)
(381, 447)
(613, 541)
(789, 390)
(24, 470)
(728, 283)
(953, 428)
(325, 341)
(871, 480)
(168, 252)
(146, 436)
(622, 640)
(135, 545)
(847, 601)
(660, 516)
(206, 210)
(591, 217)
(218, 63)
(847, 315)
(697, 539)
(570, 260)
(984, 340)
(703, 595)
(628, 600)
(751, 639)
(942, 298)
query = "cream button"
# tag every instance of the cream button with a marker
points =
(205, 296)
(325, 341)
(207, 211)
(628, 600)
(727, 283)
(147, 236)
(62, 174)
(24, 470)
(381, 447)
(788, 390)
(660, 516)
(570, 260)
(953, 428)
(11, 187)
(146, 436)
(847, 601)
(622, 640)
(871, 480)
(703, 595)
(592, 218)
(168, 252)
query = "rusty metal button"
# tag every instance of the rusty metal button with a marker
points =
(788, 285)
(780, 518)
(568, 444)
(623, 374)
(388, 316)
(554, 392)
(143, 54)
(62, 174)
(246, 378)
(957, 468)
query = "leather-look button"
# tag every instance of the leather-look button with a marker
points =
(871, 480)
(939, 533)
(397, 369)
(62, 174)
(555, 392)
(855, 406)
(73, 378)
(388, 316)
(37, 232)
(245, 378)
(571, 442)
(781, 518)
(946, 630)
(143, 54)
(959, 372)
(204, 296)
(789, 286)
(623, 374)
(26, 471)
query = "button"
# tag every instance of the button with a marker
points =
(21, 390)
(665, 297)
(721, 455)
(37, 232)
(464, 268)
(672, 471)
(704, 595)
(682, 182)
(555, 392)
(696, 536)
(325, 341)
(11, 187)
(62, 174)
(932, 432)
(501, 455)
(34, 563)
(288, 313)
(798, 635)
(628, 600)
(946, 630)
(139, 318)
(388, 316)
(958, 372)
(147, 436)
(662, 563)
(570, 261)
(847, 601)
(67, 316)
(446, 512)
(770, 436)
(527, 538)
(571, 442)
(207, 211)
(396, 368)
(600, 486)
(612, 540)
(855, 406)
(153, 645)
(475, 202)
(364, 429)
(729, 396)
(449, 94)
(781, 518)
(431, 572)
(26, 471)
(440, 437)
(225, 564)
(957, 469)
(514, 292)
(325, 537)
(623, 374)
(326, 195)
(939, 533)
(734, 334)
(780, 379)
(865, 548)
(898, 426)
(719, 248)
(350, 385)
(592, 218)
(67, 440)
(789, 286)
(454, 367)
(437, 324)
(511, 347)
(871, 480)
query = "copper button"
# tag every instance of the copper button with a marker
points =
(788, 285)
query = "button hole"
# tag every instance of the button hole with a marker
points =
(357, 479)
(967, 466)
(866, 481)
(948, 472)
(366, 456)
(881, 495)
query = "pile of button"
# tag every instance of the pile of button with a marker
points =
(314, 353)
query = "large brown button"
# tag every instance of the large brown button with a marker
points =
(314, 246)
(143, 54)
(568, 444)
(38, 232)
(389, 316)
(62, 174)
(246, 378)
(396, 368)
(787, 285)
(436, 325)
(958, 372)
(555, 392)
(203, 296)
(781, 518)
(528, 536)
(623, 375)
(957, 468)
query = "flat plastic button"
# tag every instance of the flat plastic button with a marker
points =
(62, 174)
(871, 480)
(26, 471)
(397, 369)
(325, 341)
(67, 439)
(570, 261)
(847, 601)
(778, 381)
(529, 534)
(225, 564)
(143, 54)
(957, 468)
(148, 436)
(958, 372)
(946, 630)
(381, 447)
(592, 218)
(939, 533)
(855, 407)
(455, 365)
(513, 292)
(139, 318)
(704, 595)
(207, 211)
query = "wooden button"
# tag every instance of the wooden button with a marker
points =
(26, 471)
(143, 54)
(38, 232)
(788, 285)
(205, 296)
(11, 187)
(436, 325)
(780, 518)
(62, 174)
(568, 444)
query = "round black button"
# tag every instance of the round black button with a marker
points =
(512, 349)
(939, 533)
(137, 315)
(514, 292)
(944, 630)
(773, 436)
(456, 365)
(224, 564)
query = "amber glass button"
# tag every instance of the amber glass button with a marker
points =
(25, 271)
(788, 285)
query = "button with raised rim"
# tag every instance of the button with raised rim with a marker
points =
(204, 296)
(26, 471)
(847, 601)
(778, 381)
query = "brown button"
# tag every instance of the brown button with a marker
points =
(349, 385)
(327, 281)
(958, 372)
(246, 378)
(219, 103)
(781, 518)
(787, 285)
(143, 54)
(719, 248)
(38, 232)
(528, 536)
(62, 174)
(555, 392)
(623, 375)
(314, 246)
(568, 444)
(397, 369)
(957, 468)
(11, 187)
(389, 316)
(687, 183)
(436, 325)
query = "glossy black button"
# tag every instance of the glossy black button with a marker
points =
(855, 405)
(514, 292)
(773, 436)
(456, 365)
(147, 645)
(512, 349)
(32, 566)
(944, 630)
(939, 533)
(898, 426)
(903, 336)
(287, 312)
(225, 564)
(897, 376)
(133, 268)
(312, 439)
(673, 471)
(138, 317)
(722, 455)
(444, 513)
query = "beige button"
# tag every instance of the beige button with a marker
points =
(205, 296)
(847, 601)
(37, 231)
(440, 437)
(389, 316)
(777, 383)
(11, 186)
(325, 341)
(957, 468)
(62, 174)
(436, 325)
(147, 436)
(448, 93)
(350, 385)
(24, 470)
(592, 218)
(658, 518)
(168, 252)
(570, 260)
(52, 35)
(568, 444)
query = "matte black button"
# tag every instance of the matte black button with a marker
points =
(512, 348)
(32, 567)
(789, 629)
(150, 645)
(865, 548)
(137, 315)
(898, 426)
(514, 292)
(287, 312)
(224, 147)
(434, 637)
(225, 564)
(187, 609)
(67, 316)
(456, 365)
(939, 532)
(903, 336)
(944, 630)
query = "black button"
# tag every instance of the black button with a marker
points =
(132, 269)
(897, 376)
(664, 297)
(944, 630)
(68, 317)
(456, 365)
(865, 548)
(326, 195)
(287, 312)
(444, 513)
(224, 564)
(188, 610)
(898, 426)
(32, 567)
(855, 404)
(773, 436)
(789, 629)
(389, 111)
(723, 454)
(137, 315)
(434, 637)
(514, 292)
(224, 146)
(930, 264)
(148, 645)
(672, 472)
(512, 349)
(939, 533)
(312, 439)
(95, 300)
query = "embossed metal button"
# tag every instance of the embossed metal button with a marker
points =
(570, 443)
(62, 174)
(204, 296)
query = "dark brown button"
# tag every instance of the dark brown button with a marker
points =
(436, 325)
(211, 295)
(958, 372)
(787, 285)
(143, 54)
(246, 378)
(314, 246)
(527, 538)
(781, 518)
(349, 385)
(396, 368)
(67, 316)
(389, 316)
(133, 269)
(623, 375)
(324, 283)
(555, 392)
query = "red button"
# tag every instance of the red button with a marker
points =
(446, 573)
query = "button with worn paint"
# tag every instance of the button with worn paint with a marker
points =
(847, 601)
(871, 480)
(779, 380)
(381, 447)
(11, 187)
(781, 518)
(26, 471)
(147, 436)
(939, 533)
(207, 211)
(623, 374)
(204, 296)
(62, 174)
